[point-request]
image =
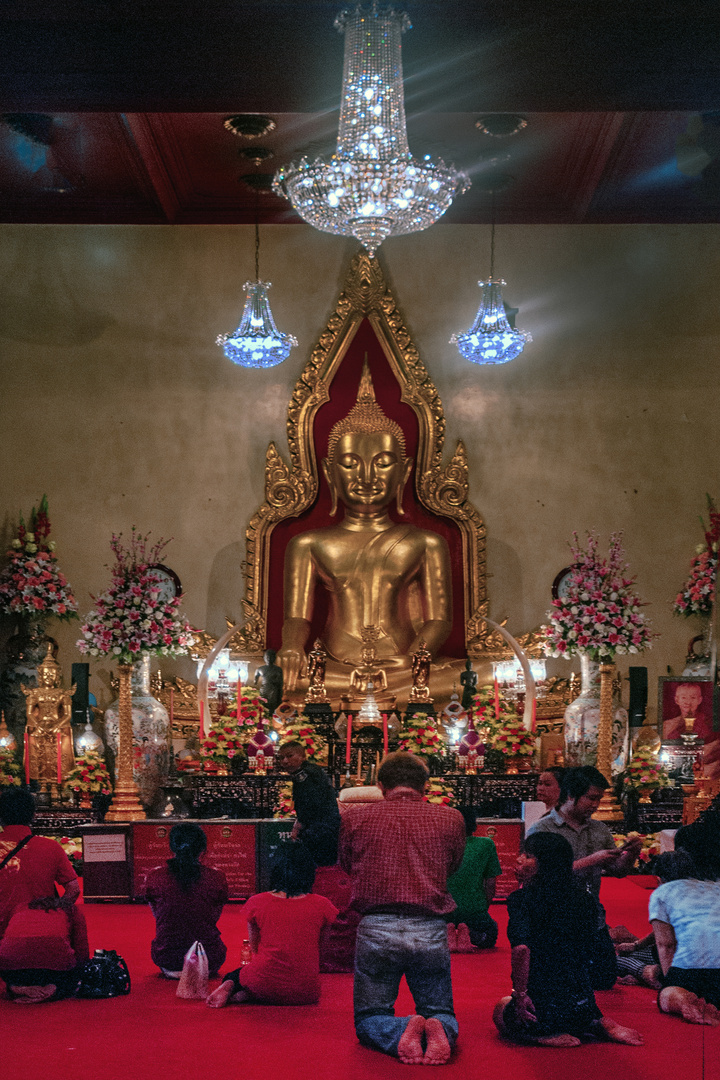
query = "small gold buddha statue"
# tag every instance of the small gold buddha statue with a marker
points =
(420, 690)
(368, 674)
(376, 571)
(316, 663)
(49, 709)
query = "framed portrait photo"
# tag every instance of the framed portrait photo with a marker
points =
(680, 697)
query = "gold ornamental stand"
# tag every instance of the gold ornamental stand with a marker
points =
(609, 808)
(126, 805)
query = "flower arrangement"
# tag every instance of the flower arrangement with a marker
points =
(90, 776)
(72, 846)
(252, 707)
(132, 619)
(419, 735)
(225, 740)
(696, 595)
(285, 807)
(484, 714)
(439, 793)
(31, 583)
(644, 773)
(9, 768)
(301, 730)
(512, 739)
(600, 613)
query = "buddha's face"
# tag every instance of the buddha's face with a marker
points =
(367, 470)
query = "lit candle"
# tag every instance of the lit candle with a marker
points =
(348, 740)
(497, 701)
(239, 688)
(26, 739)
(385, 733)
(58, 743)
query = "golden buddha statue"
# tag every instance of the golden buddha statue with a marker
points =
(317, 662)
(378, 572)
(49, 709)
(368, 676)
(420, 668)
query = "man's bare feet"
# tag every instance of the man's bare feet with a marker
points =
(619, 1034)
(33, 995)
(410, 1049)
(651, 976)
(558, 1040)
(220, 997)
(438, 1049)
(463, 944)
(675, 999)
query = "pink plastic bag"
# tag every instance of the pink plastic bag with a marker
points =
(194, 978)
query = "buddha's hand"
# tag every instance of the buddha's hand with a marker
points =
(292, 662)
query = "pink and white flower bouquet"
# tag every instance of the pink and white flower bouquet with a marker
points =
(600, 614)
(698, 593)
(132, 619)
(31, 583)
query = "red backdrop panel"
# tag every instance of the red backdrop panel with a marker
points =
(230, 848)
(343, 394)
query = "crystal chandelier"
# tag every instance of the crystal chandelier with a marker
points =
(371, 187)
(491, 339)
(257, 342)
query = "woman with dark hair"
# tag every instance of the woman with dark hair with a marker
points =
(472, 887)
(187, 899)
(548, 786)
(552, 921)
(685, 917)
(284, 928)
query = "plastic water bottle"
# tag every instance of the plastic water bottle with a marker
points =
(245, 954)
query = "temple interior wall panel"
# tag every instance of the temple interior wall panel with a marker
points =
(116, 402)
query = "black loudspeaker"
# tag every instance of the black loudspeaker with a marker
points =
(638, 695)
(80, 701)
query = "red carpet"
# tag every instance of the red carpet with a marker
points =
(151, 1035)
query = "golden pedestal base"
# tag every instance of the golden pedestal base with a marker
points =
(126, 805)
(609, 808)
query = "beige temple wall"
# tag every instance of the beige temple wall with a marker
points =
(118, 404)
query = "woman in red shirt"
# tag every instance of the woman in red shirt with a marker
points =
(187, 899)
(284, 927)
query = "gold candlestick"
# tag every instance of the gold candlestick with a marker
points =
(126, 805)
(609, 809)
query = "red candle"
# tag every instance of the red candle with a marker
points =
(348, 742)
(385, 733)
(58, 741)
(497, 701)
(534, 713)
(239, 688)
(202, 718)
(27, 758)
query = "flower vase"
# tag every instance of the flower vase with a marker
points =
(126, 805)
(85, 800)
(699, 653)
(582, 722)
(150, 734)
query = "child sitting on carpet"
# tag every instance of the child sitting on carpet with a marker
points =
(187, 899)
(284, 927)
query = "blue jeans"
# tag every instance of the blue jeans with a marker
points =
(388, 947)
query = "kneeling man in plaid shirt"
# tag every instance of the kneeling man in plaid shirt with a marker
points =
(400, 853)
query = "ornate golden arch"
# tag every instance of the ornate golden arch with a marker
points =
(291, 489)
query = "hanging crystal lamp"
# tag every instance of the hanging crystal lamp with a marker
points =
(491, 339)
(257, 342)
(371, 187)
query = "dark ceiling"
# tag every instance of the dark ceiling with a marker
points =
(114, 111)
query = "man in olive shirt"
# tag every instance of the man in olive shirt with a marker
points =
(592, 841)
